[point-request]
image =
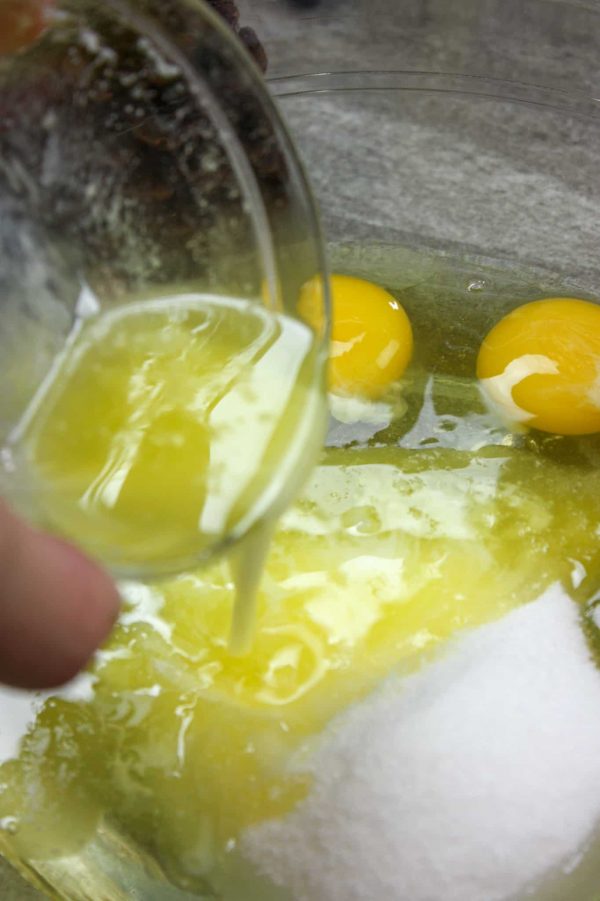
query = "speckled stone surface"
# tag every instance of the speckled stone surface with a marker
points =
(440, 160)
(513, 180)
(12, 887)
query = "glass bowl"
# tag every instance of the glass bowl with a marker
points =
(455, 147)
(140, 157)
(463, 146)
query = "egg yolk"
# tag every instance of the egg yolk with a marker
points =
(371, 335)
(540, 366)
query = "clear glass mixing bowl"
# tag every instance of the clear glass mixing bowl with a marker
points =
(468, 130)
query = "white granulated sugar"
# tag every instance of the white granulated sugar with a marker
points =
(465, 782)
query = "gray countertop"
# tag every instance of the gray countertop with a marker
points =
(12, 887)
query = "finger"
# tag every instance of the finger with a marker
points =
(56, 607)
(21, 23)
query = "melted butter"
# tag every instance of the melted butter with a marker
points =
(384, 557)
(444, 522)
(169, 428)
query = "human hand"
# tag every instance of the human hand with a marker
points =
(21, 22)
(56, 607)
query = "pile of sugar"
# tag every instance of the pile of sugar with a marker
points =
(466, 781)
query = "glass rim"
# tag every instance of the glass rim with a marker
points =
(388, 81)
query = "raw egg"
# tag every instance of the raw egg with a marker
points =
(371, 335)
(540, 366)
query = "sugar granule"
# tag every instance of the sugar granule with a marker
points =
(466, 781)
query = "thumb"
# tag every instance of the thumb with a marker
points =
(56, 607)
(21, 23)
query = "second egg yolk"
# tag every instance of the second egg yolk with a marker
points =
(541, 366)
(371, 335)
